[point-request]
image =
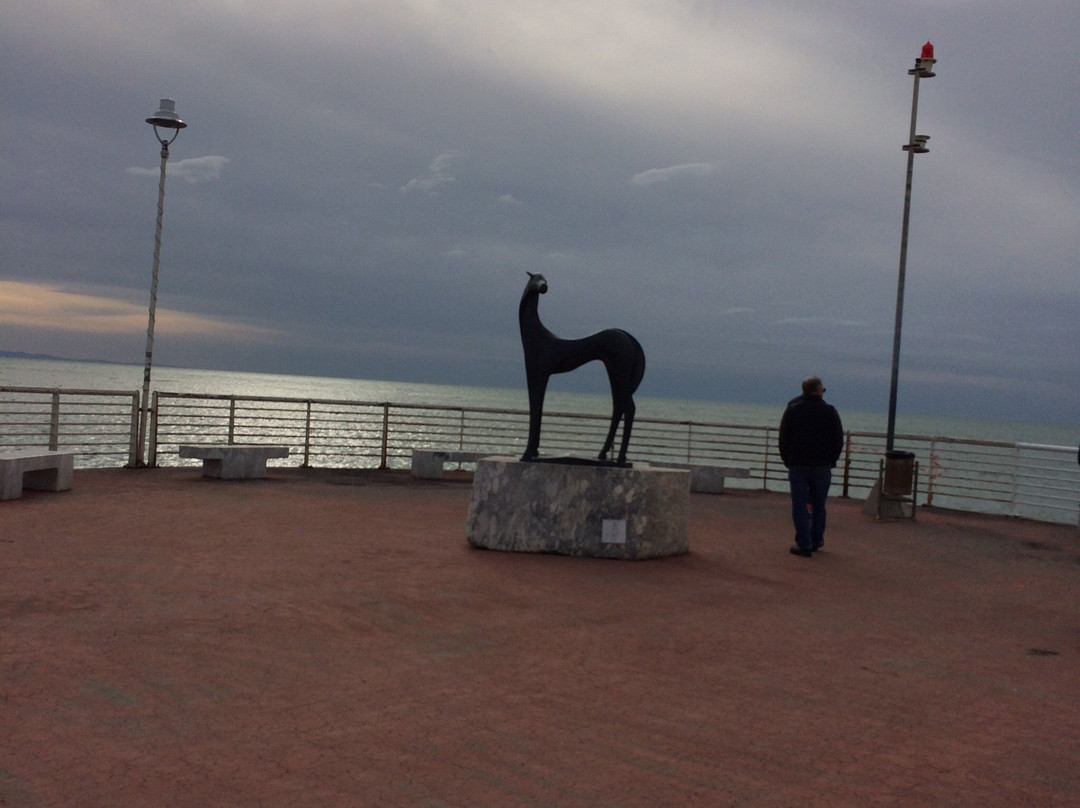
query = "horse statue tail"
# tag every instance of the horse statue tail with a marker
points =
(639, 363)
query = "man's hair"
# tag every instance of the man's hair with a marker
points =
(811, 385)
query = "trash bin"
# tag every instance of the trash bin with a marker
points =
(899, 474)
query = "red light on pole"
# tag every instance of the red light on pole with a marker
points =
(927, 51)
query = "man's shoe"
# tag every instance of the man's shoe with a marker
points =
(802, 551)
(817, 547)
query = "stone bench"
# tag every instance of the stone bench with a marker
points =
(705, 479)
(36, 469)
(233, 461)
(427, 464)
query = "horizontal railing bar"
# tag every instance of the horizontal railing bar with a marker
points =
(67, 391)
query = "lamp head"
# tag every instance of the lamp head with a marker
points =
(166, 117)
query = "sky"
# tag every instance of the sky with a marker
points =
(363, 185)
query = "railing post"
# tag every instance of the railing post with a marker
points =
(847, 464)
(765, 461)
(1014, 507)
(133, 435)
(232, 419)
(151, 449)
(385, 435)
(931, 474)
(307, 437)
(54, 422)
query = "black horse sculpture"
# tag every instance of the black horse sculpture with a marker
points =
(546, 354)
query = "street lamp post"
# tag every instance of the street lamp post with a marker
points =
(916, 145)
(166, 119)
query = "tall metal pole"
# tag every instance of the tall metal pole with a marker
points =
(167, 119)
(901, 275)
(144, 416)
(916, 145)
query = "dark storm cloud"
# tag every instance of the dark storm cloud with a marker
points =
(363, 185)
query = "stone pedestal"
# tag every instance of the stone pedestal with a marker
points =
(578, 509)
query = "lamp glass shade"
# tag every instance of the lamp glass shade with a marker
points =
(166, 117)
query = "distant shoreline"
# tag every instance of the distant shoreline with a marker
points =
(51, 358)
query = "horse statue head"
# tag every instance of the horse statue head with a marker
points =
(537, 283)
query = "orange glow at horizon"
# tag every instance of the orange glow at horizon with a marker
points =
(41, 306)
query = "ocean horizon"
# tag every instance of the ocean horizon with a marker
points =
(20, 371)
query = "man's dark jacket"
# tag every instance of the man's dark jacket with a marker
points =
(810, 433)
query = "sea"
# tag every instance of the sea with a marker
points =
(76, 375)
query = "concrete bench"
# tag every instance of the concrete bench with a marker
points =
(427, 464)
(233, 461)
(706, 479)
(36, 469)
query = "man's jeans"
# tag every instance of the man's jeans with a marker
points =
(809, 488)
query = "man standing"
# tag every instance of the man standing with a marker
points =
(811, 440)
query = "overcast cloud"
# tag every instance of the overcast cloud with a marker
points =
(363, 185)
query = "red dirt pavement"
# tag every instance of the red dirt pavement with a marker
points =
(330, 639)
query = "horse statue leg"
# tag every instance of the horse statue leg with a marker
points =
(537, 389)
(622, 409)
(616, 415)
(628, 424)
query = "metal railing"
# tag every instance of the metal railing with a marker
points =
(329, 433)
(1047, 479)
(100, 425)
(1014, 479)
(996, 477)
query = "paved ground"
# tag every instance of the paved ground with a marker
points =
(331, 640)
